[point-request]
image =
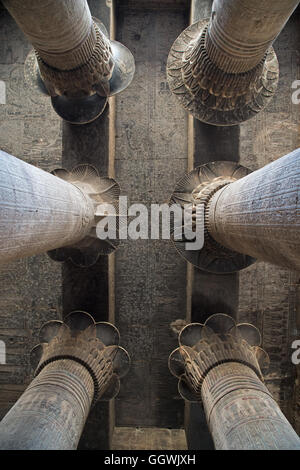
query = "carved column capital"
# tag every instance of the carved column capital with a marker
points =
(102, 193)
(247, 215)
(80, 94)
(93, 345)
(209, 93)
(73, 59)
(223, 69)
(203, 347)
(196, 188)
(221, 364)
(92, 75)
(57, 212)
(77, 362)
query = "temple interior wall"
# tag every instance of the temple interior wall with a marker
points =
(148, 142)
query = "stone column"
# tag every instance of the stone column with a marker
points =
(221, 364)
(247, 216)
(77, 363)
(223, 70)
(259, 215)
(77, 62)
(40, 211)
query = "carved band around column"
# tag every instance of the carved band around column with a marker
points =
(92, 75)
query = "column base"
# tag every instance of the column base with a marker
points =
(197, 188)
(211, 95)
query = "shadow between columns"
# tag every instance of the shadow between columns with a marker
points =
(214, 293)
(211, 293)
(87, 288)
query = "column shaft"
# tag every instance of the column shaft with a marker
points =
(259, 215)
(38, 211)
(74, 368)
(61, 31)
(52, 411)
(241, 413)
(241, 31)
